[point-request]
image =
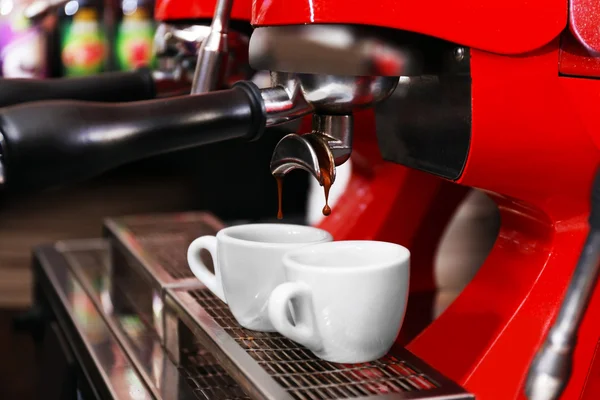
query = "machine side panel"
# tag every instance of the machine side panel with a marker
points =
(510, 26)
(171, 10)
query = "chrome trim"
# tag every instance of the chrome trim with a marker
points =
(341, 94)
(550, 371)
(139, 342)
(253, 379)
(332, 50)
(284, 100)
(135, 266)
(212, 55)
(97, 351)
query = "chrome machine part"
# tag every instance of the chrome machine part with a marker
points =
(147, 258)
(339, 69)
(333, 99)
(284, 100)
(338, 130)
(551, 368)
(177, 47)
(82, 335)
(336, 94)
(327, 146)
(332, 50)
(308, 152)
(212, 56)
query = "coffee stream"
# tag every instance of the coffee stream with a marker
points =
(326, 183)
(279, 180)
(326, 180)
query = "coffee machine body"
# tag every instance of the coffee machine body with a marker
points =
(173, 10)
(513, 116)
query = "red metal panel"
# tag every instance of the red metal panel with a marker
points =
(575, 59)
(509, 26)
(584, 17)
(534, 147)
(171, 10)
(592, 385)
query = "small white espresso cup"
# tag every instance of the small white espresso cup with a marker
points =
(248, 266)
(348, 298)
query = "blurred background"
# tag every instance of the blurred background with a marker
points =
(87, 37)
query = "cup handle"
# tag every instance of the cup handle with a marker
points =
(210, 280)
(303, 331)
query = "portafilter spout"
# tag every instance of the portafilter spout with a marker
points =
(309, 152)
(319, 152)
(333, 99)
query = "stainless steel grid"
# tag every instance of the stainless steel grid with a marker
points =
(208, 379)
(305, 376)
(168, 243)
(159, 242)
(170, 255)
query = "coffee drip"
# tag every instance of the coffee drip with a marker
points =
(279, 180)
(326, 183)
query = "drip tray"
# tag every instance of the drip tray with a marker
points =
(198, 375)
(270, 366)
(148, 254)
(155, 245)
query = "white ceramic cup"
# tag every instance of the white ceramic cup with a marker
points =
(248, 266)
(348, 298)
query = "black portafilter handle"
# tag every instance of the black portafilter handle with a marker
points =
(48, 144)
(107, 87)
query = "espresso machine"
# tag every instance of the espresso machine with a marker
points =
(428, 102)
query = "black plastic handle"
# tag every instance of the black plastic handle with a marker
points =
(54, 143)
(107, 87)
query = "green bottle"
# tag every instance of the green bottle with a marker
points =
(84, 49)
(134, 42)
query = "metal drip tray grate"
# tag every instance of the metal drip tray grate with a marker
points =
(171, 258)
(207, 378)
(158, 243)
(167, 244)
(305, 376)
(272, 366)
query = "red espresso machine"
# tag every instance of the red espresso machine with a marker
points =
(428, 99)
(524, 136)
(369, 206)
(484, 98)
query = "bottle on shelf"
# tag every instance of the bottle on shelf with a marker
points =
(84, 47)
(134, 36)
